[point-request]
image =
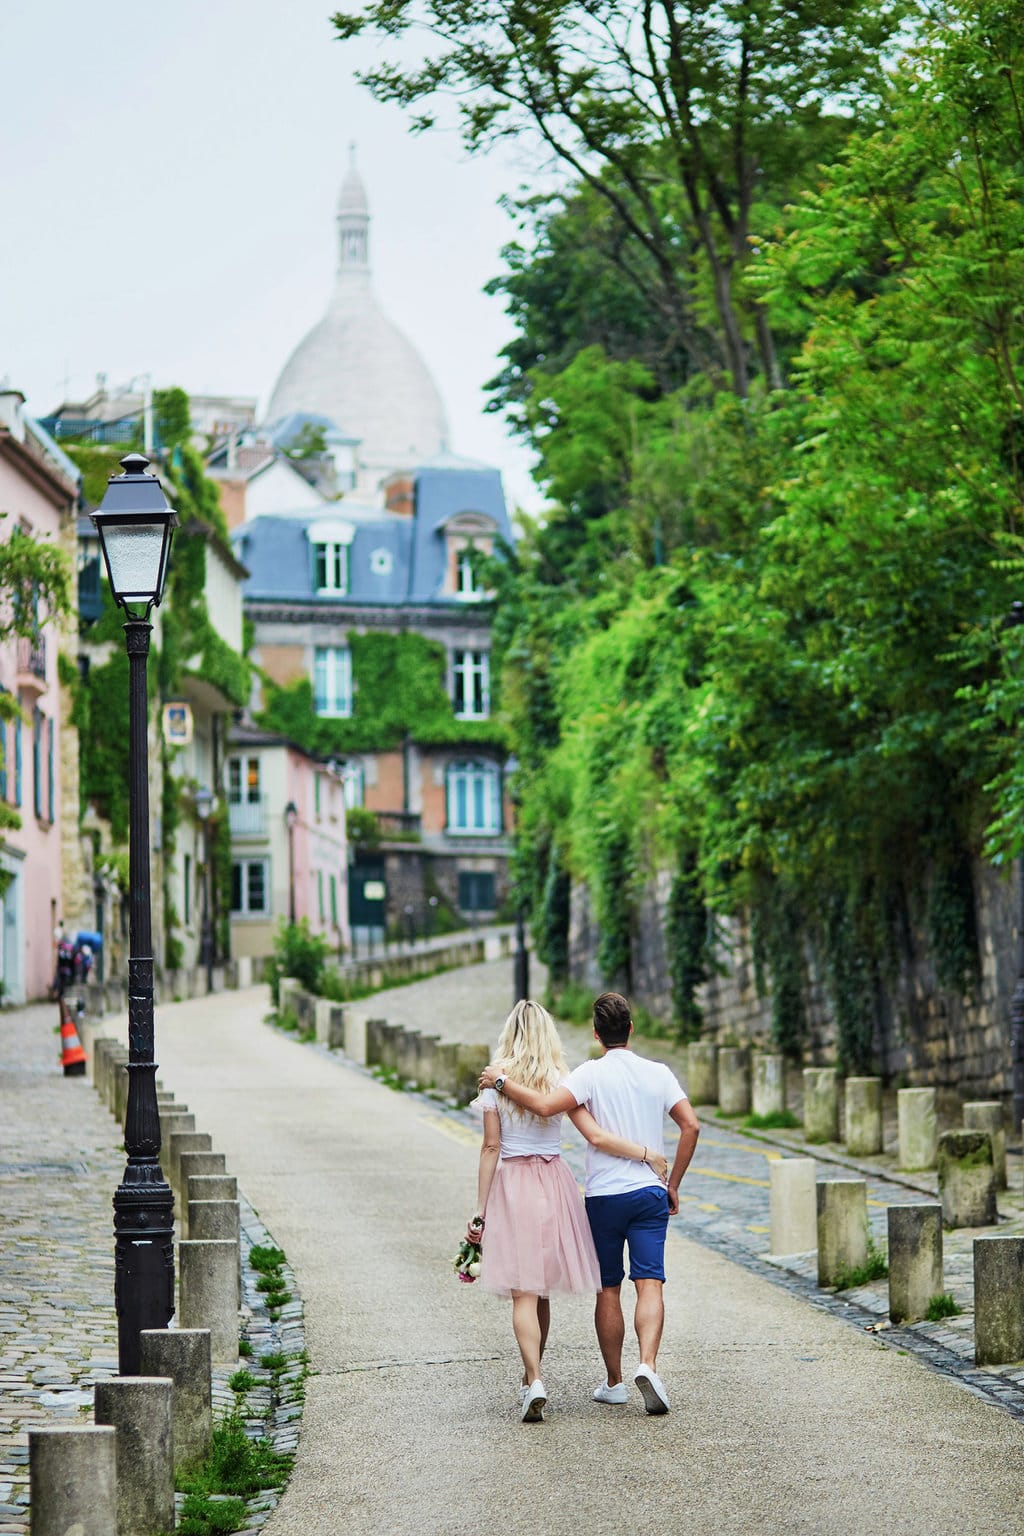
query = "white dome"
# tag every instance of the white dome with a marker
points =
(358, 368)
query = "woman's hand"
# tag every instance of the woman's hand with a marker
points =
(488, 1076)
(658, 1163)
(475, 1231)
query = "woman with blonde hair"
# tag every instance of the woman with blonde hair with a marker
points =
(537, 1239)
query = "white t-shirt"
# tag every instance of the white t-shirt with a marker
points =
(630, 1096)
(523, 1135)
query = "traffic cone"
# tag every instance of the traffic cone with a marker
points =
(72, 1055)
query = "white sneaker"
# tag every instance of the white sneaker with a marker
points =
(522, 1395)
(533, 1403)
(651, 1390)
(606, 1394)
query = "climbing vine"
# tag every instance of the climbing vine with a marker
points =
(686, 928)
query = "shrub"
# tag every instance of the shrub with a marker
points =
(297, 952)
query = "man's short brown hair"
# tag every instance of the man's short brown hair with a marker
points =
(612, 1019)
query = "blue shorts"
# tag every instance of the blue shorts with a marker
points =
(639, 1219)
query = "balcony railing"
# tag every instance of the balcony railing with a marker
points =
(32, 656)
(247, 818)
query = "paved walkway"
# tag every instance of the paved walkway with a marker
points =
(781, 1410)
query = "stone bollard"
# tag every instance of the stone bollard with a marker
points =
(998, 1300)
(702, 1072)
(389, 1043)
(918, 1127)
(183, 1354)
(116, 1061)
(209, 1295)
(180, 1142)
(446, 1079)
(288, 989)
(470, 1061)
(988, 1116)
(768, 1084)
(842, 1229)
(191, 1164)
(967, 1179)
(73, 1480)
(209, 1186)
(863, 1116)
(119, 1106)
(915, 1260)
(407, 1056)
(176, 1123)
(101, 1065)
(139, 1408)
(355, 1043)
(821, 1104)
(426, 1060)
(375, 1042)
(733, 1080)
(211, 1221)
(793, 1204)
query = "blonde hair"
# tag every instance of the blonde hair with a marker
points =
(530, 1051)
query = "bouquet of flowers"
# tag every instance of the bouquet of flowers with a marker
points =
(466, 1263)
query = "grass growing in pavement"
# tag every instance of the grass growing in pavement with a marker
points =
(236, 1464)
(268, 1261)
(242, 1381)
(942, 1306)
(244, 1348)
(876, 1267)
(778, 1120)
(203, 1516)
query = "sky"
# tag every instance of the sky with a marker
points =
(167, 190)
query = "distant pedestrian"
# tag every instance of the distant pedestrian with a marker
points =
(530, 1222)
(626, 1203)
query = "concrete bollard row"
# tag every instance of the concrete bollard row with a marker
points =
(448, 1066)
(915, 1260)
(183, 1355)
(192, 1165)
(842, 1228)
(73, 1480)
(178, 1143)
(139, 1409)
(967, 1179)
(209, 1294)
(863, 1131)
(734, 1080)
(821, 1104)
(702, 1072)
(768, 1084)
(987, 1115)
(998, 1300)
(918, 1128)
(793, 1205)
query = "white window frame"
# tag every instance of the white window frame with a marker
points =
(246, 910)
(334, 558)
(353, 783)
(467, 585)
(473, 799)
(241, 788)
(471, 674)
(334, 701)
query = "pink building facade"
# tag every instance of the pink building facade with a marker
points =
(38, 496)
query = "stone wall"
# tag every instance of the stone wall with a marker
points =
(924, 1036)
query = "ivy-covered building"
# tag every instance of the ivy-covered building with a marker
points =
(371, 633)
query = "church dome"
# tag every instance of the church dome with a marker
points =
(358, 368)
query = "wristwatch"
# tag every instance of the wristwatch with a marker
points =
(499, 1084)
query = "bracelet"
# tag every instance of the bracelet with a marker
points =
(644, 1158)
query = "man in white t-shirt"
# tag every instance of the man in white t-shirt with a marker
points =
(626, 1202)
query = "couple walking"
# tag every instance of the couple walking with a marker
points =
(534, 1236)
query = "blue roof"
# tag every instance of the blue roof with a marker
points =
(392, 559)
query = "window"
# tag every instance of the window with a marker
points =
(352, 783)
(316, 797)
(476, 890)
(320, 893)
(467, 582)
(334, 900)
(474, 798)
(471, 673)
(332, 681)
(249, 887)
(243, 780)
(331, 567)
(17, 761)
(187, 883)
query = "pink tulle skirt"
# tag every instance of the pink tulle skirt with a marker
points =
(537, 1236)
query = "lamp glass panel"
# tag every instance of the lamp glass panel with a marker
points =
(134, 556)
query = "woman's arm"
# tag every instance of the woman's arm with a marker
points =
(617, 1146)
(490, 1151)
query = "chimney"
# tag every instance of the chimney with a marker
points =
(11, 412)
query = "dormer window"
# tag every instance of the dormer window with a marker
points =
(470, 539)
(467, 583)
(329, 540)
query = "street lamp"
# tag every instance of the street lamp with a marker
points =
(135, 523)
(203, 801)
(291, 816)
